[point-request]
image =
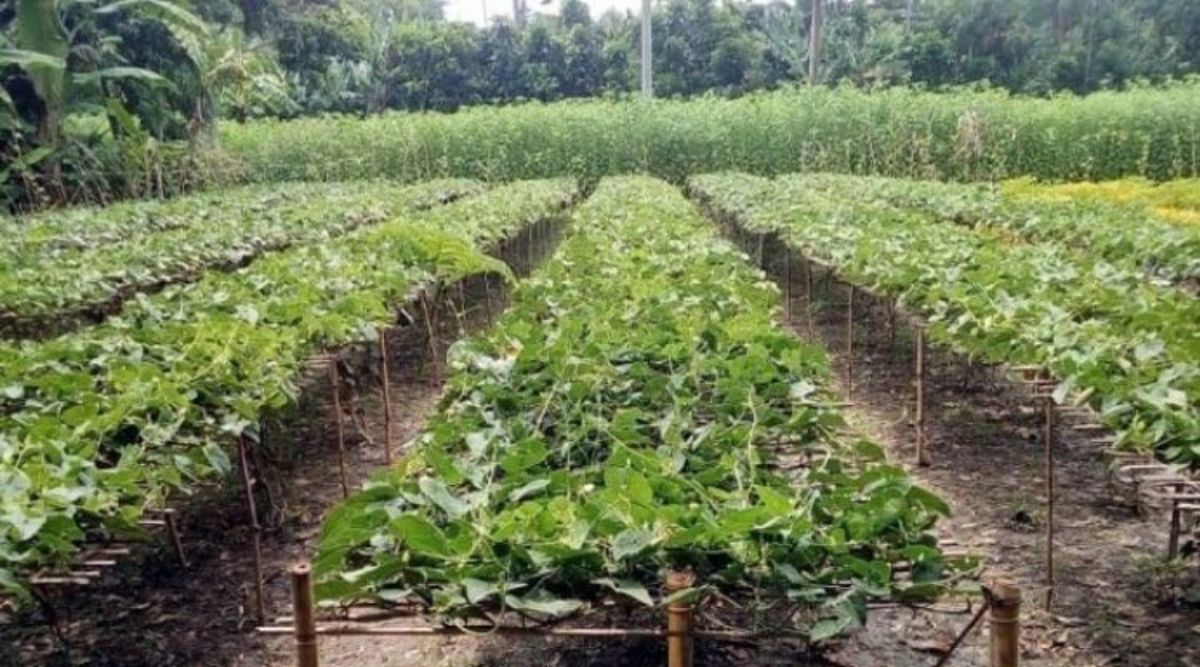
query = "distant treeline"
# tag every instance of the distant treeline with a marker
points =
(367, 55)
(107, 100)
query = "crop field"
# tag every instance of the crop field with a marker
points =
(964, 135)
(562, 406)
(100, 424)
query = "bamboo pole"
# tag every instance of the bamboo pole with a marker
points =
(176, 542)
(1049, 443)
(386, 391)
(787, 281)
(528, 250)
(1004, 599)
(919, 380)
(679, 622)
(1176, 524)
(339, 429)
(305, 615)
(429, 329)
(353, 629)
(850, 342)
(260, 605)
(808, 295)
(891, 323)
(487, 289)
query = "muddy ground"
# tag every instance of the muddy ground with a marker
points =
(1114, 604)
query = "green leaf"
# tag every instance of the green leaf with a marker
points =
(527, 490)
(544, 606)
(420, 535)
(631, 542)
(628, 588)
(439, 494)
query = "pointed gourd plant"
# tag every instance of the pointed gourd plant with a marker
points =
(630, 415)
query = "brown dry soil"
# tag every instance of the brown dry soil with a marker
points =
(1114, 604)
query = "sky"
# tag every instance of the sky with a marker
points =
(472, 10)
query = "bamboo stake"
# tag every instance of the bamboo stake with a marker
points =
(176, 542)
(528, 251)
(919, 379)
(256, 530)
(385, 386)
(679, 622)
(305, 625)
(1004, 599)
(351, 629)
(487, 288)
(787, 281)
(891, 323)
(339, 430)
(1049, 442)
(433, 344)
(808, 296)
(962, 635)
(1176, 524)
(850, 343)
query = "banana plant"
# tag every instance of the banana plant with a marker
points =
(54, 45)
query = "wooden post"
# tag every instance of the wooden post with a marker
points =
(787, 281)
(850, 342)
(487, 303)
(1176, 525)
(385, 387)
(176, 541)
(808, 295)
(919, 380)
(339, 430)
(260, 606)
(304, 617)
(891, 323)
(1049, 442)
(429, 329)
(679, 622)
(528, 250)
(1004, 599)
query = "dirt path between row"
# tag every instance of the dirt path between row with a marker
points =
(1116, 602)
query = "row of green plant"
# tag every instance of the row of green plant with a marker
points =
(98, 425)
(1123, 345)
(587, 446)
(958, 135)
(1126, 234)
(46, 278)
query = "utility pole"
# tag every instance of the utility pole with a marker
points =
(814, 44)
(647, 53)
(908, 16)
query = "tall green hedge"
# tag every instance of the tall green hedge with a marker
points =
(959, 135)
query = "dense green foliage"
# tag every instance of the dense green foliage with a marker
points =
(1125, 234)
(962, 135)
(91, 94)
(98, 425)
(1115, 341)
(367, 55)
(97, 99)
(87, 261)
(586, 446)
